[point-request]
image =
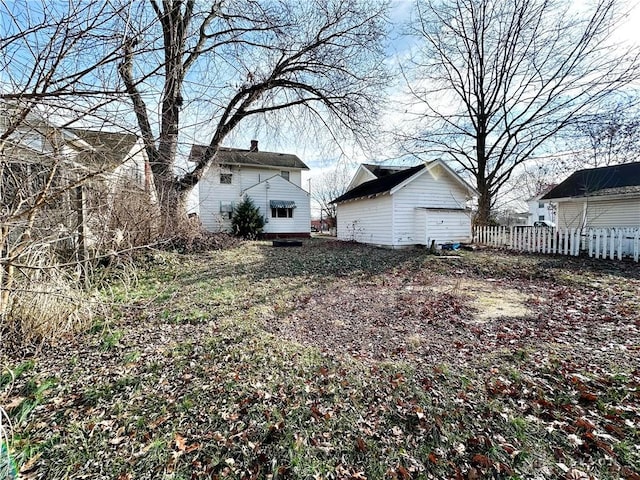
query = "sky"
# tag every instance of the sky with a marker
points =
(399, 46)
(317, 151)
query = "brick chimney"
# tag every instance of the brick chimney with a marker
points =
(254, 146)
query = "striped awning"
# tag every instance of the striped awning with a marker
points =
(282, 204)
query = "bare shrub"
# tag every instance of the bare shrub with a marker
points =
(191, 237)
(45, 303)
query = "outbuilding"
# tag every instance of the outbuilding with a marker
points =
(403, 206)
(604, 197)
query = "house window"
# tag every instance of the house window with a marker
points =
(281, 212)
(282, 208)
(226, 210)
(540, 218)
(540, 204)
(225, 178)
(284, 174)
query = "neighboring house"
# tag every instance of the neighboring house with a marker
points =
(42, 166)
(272, 180)
(602, 197)
(120, 157)
(402, 206)
(541, 210)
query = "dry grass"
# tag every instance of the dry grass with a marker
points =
(46, 312)
(339, 361)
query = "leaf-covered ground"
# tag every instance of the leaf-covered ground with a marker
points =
(341, 361)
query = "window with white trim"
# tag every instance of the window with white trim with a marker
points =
(281, 212)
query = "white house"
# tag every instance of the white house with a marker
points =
(541, 210)
(120, 156)
(602, 197)
(400, 206)
(42, 161)
(271, 180)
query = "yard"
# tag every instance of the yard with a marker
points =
(337, 360)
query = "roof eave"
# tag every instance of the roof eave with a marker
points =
(615, 196)
(362, 197)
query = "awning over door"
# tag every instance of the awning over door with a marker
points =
(282, 204)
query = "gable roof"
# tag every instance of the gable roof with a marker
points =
(276, 178)
(379, 185)
(238, 156)
(611, 180)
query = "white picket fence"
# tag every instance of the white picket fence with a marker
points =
(612, 243)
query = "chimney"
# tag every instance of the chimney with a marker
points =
(254, 146)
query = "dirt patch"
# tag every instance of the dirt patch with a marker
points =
(423, 319)
(488, 298)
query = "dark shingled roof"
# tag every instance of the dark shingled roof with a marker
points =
(111, 148)
(379, 185)
(381, 171)
(612, 180)
(237, 156)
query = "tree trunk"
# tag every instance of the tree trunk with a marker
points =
(484, 201)
(483, 217)
(173, 206)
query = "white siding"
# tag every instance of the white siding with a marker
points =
(362, 175)
(433, 189)
(613, 213)
(569, 214)
(367, 220)
(214, 197)
(277, 188)
(600, 213)
(295, 177)
(536, 212)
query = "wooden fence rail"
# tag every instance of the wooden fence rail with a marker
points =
(612, 243)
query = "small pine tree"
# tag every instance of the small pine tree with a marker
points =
(246, 220)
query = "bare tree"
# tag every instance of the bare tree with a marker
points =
(236, 60)
(496, 80)
(57, 65)
(328, 186)
(607, 138)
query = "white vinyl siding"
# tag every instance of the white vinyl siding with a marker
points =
(362, 175)
(214, 196)
(433, 189)
(601, 213)
(277, 188)
(367, 220)
(540, 210)
(250, 176)
(570, 214)
(613, 213)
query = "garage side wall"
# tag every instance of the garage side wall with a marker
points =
(600, 213)
(366, 221)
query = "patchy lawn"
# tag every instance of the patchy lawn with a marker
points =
(342, 361)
